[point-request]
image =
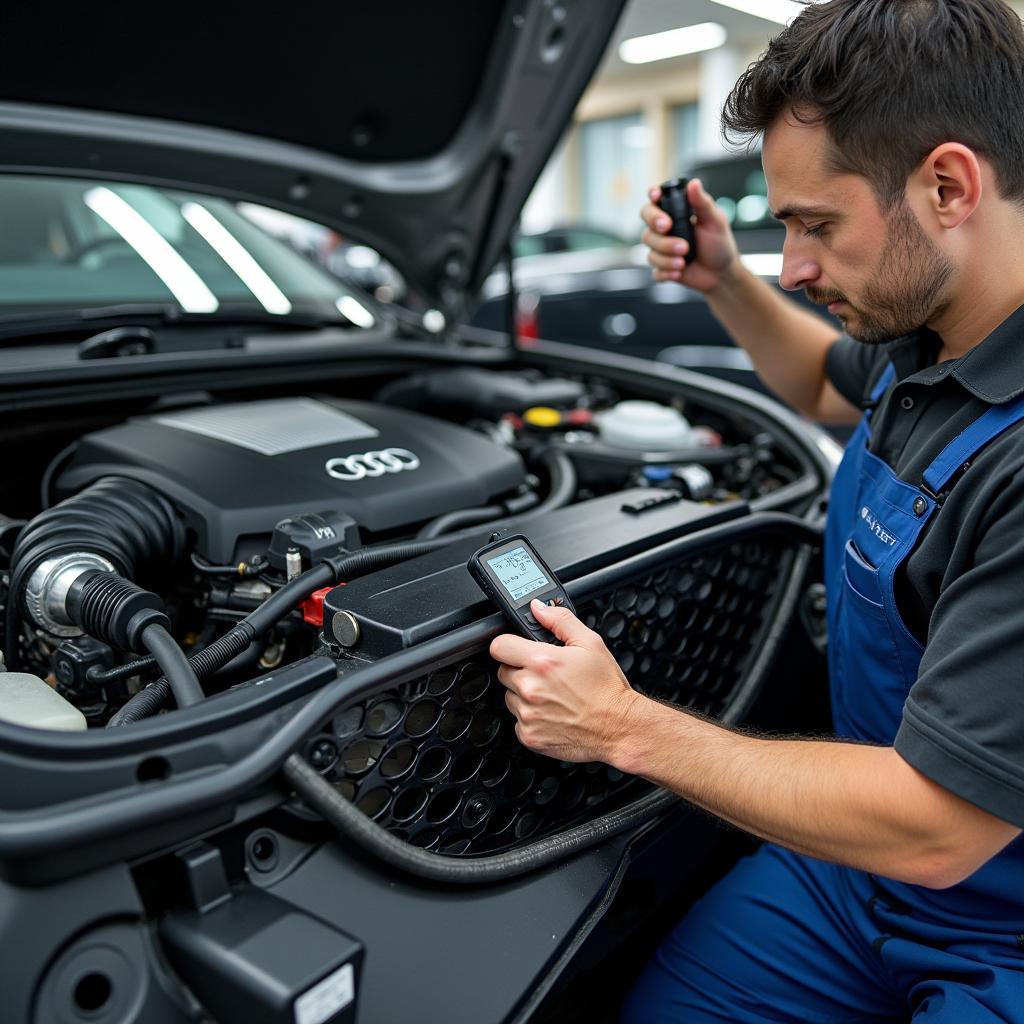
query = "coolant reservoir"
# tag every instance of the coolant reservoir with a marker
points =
(644, 426)
(27, 700)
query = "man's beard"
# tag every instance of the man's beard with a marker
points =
(904, 292)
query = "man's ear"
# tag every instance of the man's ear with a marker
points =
(949, 181)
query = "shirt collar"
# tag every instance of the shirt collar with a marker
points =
(993, 370)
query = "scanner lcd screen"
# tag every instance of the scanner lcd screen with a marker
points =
(517, 572)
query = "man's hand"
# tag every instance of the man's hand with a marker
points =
(716, 247)
(572, 703)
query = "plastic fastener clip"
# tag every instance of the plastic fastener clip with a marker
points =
(313, 607)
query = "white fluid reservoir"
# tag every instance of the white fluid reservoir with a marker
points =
(644, 426)
(27, 700)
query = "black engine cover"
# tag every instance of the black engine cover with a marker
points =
(235, 470)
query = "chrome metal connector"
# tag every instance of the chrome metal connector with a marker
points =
(47, 590)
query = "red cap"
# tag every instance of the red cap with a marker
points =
(579, 417)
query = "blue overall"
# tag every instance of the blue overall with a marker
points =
(788, 938)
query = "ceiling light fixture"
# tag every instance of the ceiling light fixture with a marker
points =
(764, 264)
(677, 42)
(780, 11)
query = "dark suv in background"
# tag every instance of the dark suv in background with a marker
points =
(606, 298)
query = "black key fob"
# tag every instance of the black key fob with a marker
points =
(675, 203)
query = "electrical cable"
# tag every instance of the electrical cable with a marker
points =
(239, 637)
(103, 676)
(243, 570)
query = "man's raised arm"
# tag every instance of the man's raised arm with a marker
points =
(787, 344)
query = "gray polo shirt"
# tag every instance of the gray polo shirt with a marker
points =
(961, 590)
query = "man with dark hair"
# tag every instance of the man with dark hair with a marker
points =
(891, 880)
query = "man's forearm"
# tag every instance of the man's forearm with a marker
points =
(861, 806)
(787, 344)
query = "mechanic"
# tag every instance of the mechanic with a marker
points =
(891, 881)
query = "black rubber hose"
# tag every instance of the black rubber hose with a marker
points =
(153, 698)
(149, 701)
(173, 663)
(51, 470)
(561, 490)
(356, 826)
(562, 477)
(462, 517)
(121, 519)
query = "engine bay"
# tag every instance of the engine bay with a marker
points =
(239, 627)
(217, 506)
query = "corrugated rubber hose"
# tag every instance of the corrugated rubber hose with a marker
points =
(355, 826)
(124, 520)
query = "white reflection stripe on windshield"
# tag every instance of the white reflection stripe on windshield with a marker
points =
(181, 280)
(354, 311)
(237, 257)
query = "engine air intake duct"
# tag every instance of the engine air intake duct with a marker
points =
(114, 609)
(122, 521)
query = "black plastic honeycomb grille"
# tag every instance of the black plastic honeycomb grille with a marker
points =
(436, 761)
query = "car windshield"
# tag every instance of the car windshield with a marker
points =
(75, 244)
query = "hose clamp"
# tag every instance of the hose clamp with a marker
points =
(46, 592)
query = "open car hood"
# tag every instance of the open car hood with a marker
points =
(418, 129)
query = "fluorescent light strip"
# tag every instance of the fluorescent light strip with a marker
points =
(677, 42)
(780, 11)
(238, 258)
(764, 264)
(181, 280)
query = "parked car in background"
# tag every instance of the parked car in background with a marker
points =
(606, 298)
(583, 284)
(566, 238)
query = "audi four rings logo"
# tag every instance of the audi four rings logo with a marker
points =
(358, 467)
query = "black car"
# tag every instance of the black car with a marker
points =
(580, 237)
(254, 761)
(606, 298)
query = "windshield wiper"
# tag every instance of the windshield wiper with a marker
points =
(148, 314)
